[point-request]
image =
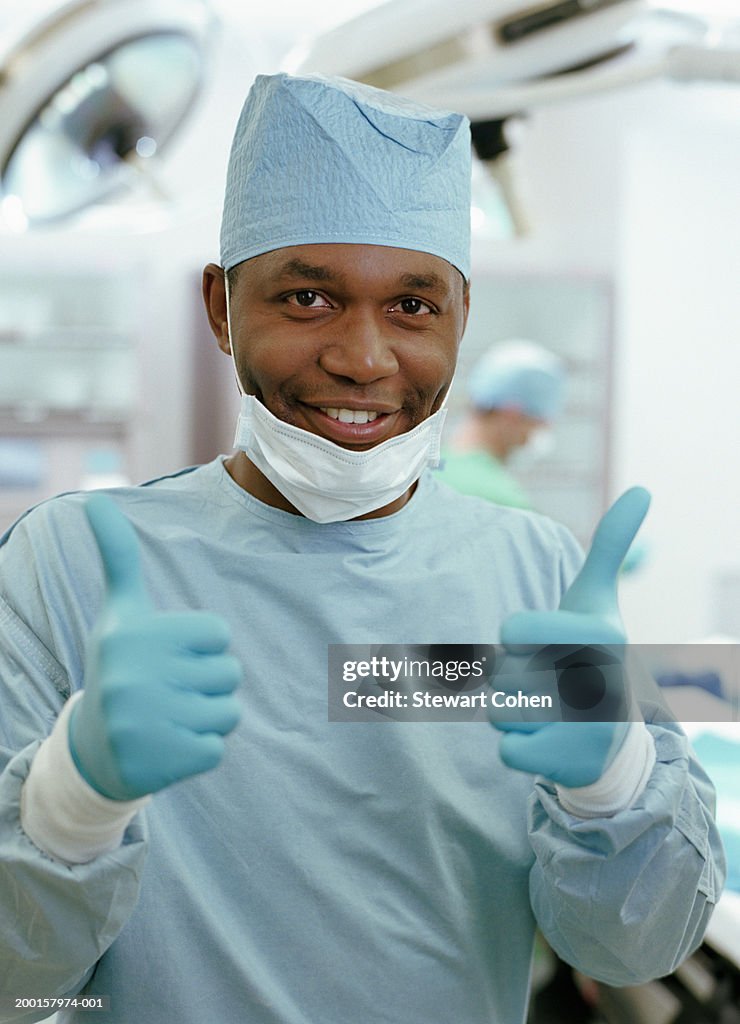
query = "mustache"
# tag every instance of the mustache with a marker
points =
(416, 404)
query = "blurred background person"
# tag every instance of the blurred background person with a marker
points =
(516, 390)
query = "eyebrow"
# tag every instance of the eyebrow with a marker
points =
(297, 268)
(315, 272)
(424, 282)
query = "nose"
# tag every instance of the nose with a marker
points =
(359, 351)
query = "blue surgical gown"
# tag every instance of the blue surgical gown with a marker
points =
(333, 872)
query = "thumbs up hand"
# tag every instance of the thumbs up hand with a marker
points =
(158, 687)
(573, 753)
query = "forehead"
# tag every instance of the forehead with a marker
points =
(353, 265)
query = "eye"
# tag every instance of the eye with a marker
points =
(308, 299)
(413, 306)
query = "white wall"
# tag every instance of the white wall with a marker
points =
(678, 419)
(644, 184)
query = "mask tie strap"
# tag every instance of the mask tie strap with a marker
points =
(227, 292)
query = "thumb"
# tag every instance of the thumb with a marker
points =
(595, 587)
(119, 550)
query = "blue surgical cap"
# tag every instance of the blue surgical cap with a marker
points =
(519, 374)
(318, 159)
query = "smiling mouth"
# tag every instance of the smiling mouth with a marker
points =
(353, 427)
(350, 415)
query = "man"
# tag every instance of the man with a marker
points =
(288, 868)
(516, 390)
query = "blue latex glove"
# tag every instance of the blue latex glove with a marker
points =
(572, 753)
(159, 686)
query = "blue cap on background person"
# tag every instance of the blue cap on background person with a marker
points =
(318, 159)
(521, 375)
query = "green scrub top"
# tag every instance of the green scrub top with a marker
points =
(478, 473)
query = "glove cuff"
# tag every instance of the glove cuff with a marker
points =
(61, 813)
(622, 782)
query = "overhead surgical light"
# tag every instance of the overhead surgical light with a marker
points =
(498, 59)
(90, 93)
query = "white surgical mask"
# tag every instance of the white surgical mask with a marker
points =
(540, 445)
(326, 482)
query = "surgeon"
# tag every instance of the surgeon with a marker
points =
(515, 390)
(184, 835)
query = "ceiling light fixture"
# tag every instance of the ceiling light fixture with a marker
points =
(89, 95)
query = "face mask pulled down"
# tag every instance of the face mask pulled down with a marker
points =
(326, 482)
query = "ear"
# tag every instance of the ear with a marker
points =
(466, 307)
(214, 297)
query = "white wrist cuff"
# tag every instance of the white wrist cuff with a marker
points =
(622, 782)
(63, 815)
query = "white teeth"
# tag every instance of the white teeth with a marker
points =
(351, 415)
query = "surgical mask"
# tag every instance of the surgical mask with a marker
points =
(324, 481)
(539, 445)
